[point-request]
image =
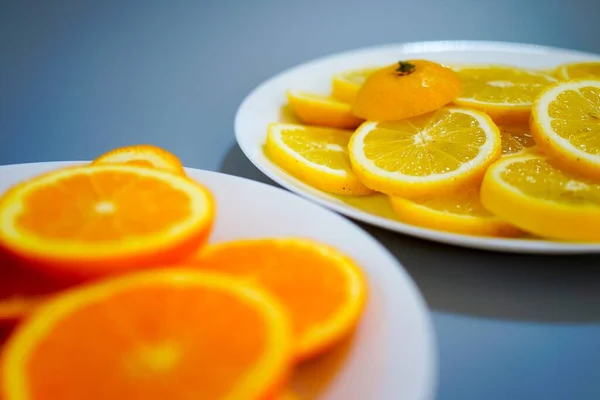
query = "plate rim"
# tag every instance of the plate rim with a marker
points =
(294, 185)
(430, 350)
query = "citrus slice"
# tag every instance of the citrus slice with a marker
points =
(323, 290)
(516, 139)
(345, 85)
(406, 89)
(145, 155)
(460, 212)
(23, 289)
(435, 153)
(505, 93)
(536, 196)
(93, 220)
(317, 156)
(314, 109)
(151, 335)
(566, 124)
(587, 70)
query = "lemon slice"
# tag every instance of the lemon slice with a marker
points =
(434, 153)
(579, 70)
(460, 212)
(566, 125)
(317, 156)
(315, 109)
(536, 196)
(505, 93)
(516, 139)
(345, 85)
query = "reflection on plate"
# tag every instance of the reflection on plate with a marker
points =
(266, 104)
(392, 353)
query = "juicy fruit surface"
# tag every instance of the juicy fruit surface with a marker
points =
(315, 109)
(389, 95)
(516, 139)
(94, 216)
(566, 124)
(296, 272)
(144, 155)
(460, 212)
(501, 85)
(132, 337)
(319, 156)
(537, 196)
(587, 70)
(441, 150)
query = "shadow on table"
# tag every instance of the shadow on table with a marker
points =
(479, 283)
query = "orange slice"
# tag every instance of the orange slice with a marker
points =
(173, 334)
(145, 155)
(323, 290)
(588, 70)
(22, 290)
(460, 212)
(406, 89)
(314, 109)
(93, 220)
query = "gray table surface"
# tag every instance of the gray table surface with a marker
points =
(80, 77)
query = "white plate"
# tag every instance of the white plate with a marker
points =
(264, 105)
(392, 355)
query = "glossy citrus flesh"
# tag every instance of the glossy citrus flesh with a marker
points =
(532, 193)
(323, 290)
(317, 156)
(94, 220)
(583, 70)
(504, 93)
(516, 139)
(345, 85)
(315, 109)
(459, 212)
(431, 154)
(390, 95)
(566, 125)
(173, 334)
(144, 155)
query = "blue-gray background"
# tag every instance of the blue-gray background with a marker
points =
(80, 77)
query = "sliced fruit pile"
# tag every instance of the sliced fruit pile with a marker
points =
(457, 148)
(123, 299)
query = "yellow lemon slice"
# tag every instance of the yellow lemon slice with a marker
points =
(317, 156)
(460, 212)
(315, 109)
(505, 93)
(345, 85)
(536, 196)
(434, 153)
(579, 70)
(566, 125)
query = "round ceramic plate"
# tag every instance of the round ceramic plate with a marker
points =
(392, 354)
(264, 105)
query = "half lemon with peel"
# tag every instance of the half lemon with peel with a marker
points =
(533, 194)
(317, 156)
(566, 125)
(435, 153)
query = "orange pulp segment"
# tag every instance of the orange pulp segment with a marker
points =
(145, 155)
